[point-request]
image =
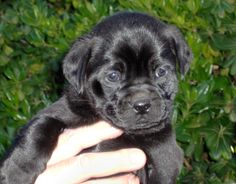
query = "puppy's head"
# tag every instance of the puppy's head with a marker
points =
(127, 67)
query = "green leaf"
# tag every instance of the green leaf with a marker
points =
(26, 109)
(9, 73)
(229, 61)
(28, 17)
(219, 139)
(224, 43)
(193, 5)
(190, 149)
(11, 17)
(198, 153)
(182, 133)
(232, 115)
(7, 50)
(4, 60)
(233, 68)
(36, 38)
(36, 68)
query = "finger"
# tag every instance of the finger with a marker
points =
(93, 165)
(72, 141)
(109, 163)
(124, 179)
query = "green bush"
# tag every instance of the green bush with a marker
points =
(35, 35)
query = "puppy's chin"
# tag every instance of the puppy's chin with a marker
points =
(139, 127)
(147, 128)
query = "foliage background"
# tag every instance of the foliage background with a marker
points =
(35, 35)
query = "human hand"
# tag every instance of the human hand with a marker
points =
(67, 167)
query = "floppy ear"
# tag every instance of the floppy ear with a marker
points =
(180, 48)
(75, 62)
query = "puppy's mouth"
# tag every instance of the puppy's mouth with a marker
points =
(136, 123)
(145, 127)
(145, 122)
(140, 126)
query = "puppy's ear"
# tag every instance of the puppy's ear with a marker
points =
(75, 62)
(180, 48)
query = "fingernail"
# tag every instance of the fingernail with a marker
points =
(138, 157)
(116, 130)
(108, 127)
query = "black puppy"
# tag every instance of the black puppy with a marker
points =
(124, 72)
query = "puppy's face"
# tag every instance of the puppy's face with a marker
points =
(136, 82)
(130, 71)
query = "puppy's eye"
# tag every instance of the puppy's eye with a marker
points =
(161, 71)
(113, 76)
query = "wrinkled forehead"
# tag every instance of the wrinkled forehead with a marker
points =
(134, 44)
(135, 49)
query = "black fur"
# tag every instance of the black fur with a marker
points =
(124, 72)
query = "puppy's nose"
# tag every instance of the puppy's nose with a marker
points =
(142, 106)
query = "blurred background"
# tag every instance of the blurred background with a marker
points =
(36, 34)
